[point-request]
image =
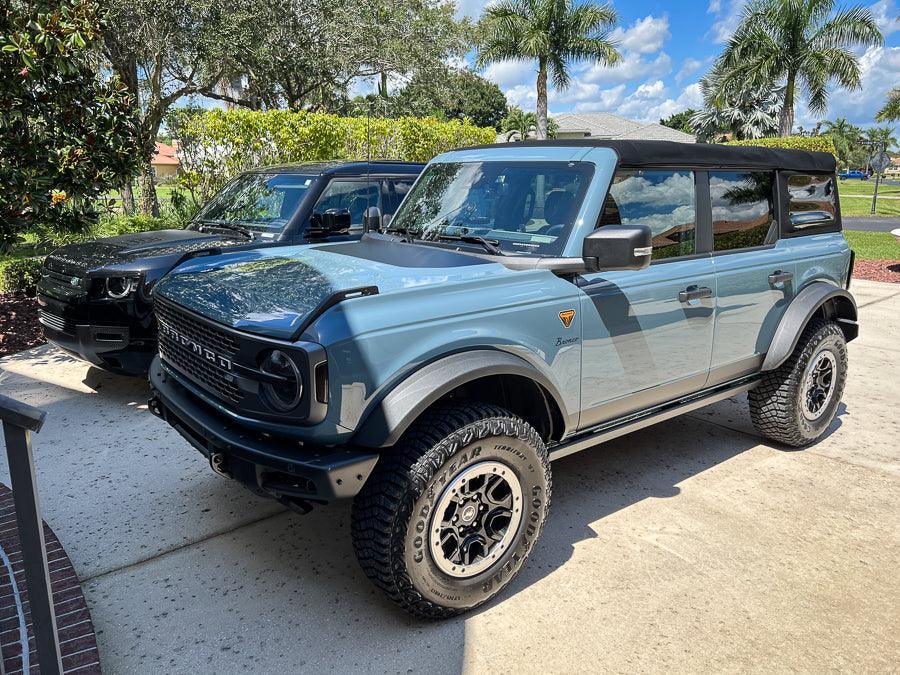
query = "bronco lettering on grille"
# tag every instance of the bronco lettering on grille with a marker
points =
(193, 346)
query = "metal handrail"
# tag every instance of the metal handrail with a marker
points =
(19, 421)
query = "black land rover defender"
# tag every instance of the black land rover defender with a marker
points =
(94, 298)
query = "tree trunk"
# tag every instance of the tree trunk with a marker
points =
(542, 100)
(149, 202)
(786, 118)
(127, 193)
(383, 85)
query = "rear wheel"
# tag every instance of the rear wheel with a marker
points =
(449, 516)
(796, 403)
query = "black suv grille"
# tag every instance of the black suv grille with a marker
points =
(200, 369)
(56, 322)
(61, 280)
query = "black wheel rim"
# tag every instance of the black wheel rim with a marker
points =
(476, 519)
(819, 384)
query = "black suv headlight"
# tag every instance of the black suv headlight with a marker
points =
(121, 287)
(284, 388)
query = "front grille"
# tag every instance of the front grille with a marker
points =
(56, 322)
(199, 369)
(59, 279)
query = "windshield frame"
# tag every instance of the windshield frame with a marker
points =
(587, 170)
(203, 217)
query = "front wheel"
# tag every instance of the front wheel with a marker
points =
(449, 516)
(796, 403)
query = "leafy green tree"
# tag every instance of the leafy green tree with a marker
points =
(881, 137)
(735, 111)
(800, 44)
(67, 135)
(519, 125)
(680, 121)
(845, 136)
(891, 110)
(554, 33)
(455, 94)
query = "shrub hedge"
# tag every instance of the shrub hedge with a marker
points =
(811, 143)
(21, 276)
(216, 145)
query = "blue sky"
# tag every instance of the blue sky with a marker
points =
(667, 46)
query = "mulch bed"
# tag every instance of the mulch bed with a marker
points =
(19, 327)
(877, 270)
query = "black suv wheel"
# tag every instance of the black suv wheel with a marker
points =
(450, 514)
(796, 403)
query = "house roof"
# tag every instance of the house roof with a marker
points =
(609, 125)
(165, 154)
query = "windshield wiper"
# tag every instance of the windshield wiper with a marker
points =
(490, 245)
(226, 225)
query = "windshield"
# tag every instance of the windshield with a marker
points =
(522, 207)
(262, 202)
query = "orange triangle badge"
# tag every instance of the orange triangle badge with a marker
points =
(566, 317)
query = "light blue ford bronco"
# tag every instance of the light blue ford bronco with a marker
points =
(526, 302)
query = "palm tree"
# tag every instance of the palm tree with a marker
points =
(798, 44)
(891, 110)
(518, 124)
(552, 32)
(740, 112)
(845, 136)
(881, 137)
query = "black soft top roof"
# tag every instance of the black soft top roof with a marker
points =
(700, 155)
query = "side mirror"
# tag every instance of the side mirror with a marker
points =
(618, 247)
(372, 219)
(336, 221)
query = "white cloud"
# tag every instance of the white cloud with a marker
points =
(471, 8)
(688, 68)
(878, 70)
(631, 67)
(606, 99)
(508, 74)
(644, 36)
(887, 16)
(727, 16)
(523, 95)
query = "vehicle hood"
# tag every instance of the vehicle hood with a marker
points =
(136, 252)
(273, 292)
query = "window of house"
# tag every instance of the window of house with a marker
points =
(811, 201)
(662, 200)
(743, 208)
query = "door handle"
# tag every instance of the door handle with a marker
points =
(694, 293)
(778, 277)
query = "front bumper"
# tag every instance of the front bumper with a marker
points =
(272, 466)
(123, 349)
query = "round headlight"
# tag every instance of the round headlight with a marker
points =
(119, 287)
(285, 395)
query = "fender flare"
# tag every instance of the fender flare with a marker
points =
(386, 421)
(807, 302)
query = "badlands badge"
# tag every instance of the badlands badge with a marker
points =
(566, 317)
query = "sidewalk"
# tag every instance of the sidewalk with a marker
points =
(689, 546)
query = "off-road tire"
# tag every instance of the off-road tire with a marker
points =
(776, 404)
(392, 514)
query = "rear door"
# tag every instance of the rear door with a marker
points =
(754, 270)
(647, 334)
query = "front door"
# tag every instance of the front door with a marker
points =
(648, 334)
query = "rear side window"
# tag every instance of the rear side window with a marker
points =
(662, 200)
(811, 202)
(743, 209)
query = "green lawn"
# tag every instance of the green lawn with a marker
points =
(866, 187)
(873, 245)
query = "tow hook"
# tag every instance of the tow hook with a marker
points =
(218, 461)
(154, 407)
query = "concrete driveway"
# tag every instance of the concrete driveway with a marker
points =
(689, 546)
